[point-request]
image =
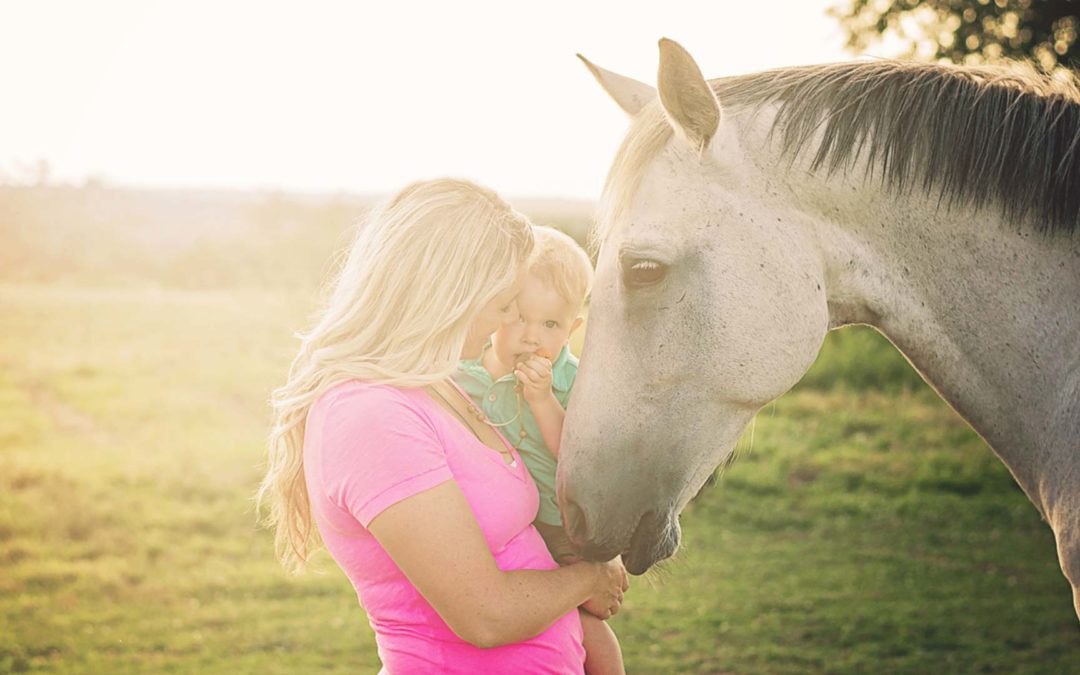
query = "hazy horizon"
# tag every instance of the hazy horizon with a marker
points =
(315, 194)
(326, 97)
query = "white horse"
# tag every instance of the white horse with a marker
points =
(745, 217)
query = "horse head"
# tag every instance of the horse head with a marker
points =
(708, 303)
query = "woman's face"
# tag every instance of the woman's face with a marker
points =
(500, 311)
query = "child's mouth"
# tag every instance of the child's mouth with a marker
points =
(525, 356)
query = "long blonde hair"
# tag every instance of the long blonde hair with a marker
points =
(418, 272)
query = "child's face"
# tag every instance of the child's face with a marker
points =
(547, 320)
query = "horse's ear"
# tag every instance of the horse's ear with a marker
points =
(630, 94)
(688, 100)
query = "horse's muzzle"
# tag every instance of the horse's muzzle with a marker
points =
(654, 538)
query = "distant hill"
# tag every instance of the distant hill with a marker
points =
(99, 235)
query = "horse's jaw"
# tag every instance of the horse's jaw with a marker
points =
(638, 517)
(656, 538)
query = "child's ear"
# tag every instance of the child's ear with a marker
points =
(577, 324)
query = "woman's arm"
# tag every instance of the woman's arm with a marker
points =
(435, 540)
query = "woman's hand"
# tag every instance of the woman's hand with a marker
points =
(611, 583)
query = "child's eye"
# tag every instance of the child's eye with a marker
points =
(551, 324)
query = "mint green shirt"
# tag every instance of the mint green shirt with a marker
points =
(499, 402)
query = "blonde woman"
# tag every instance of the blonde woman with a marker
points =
(423, 504)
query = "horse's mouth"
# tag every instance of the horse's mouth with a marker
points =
(655, 538)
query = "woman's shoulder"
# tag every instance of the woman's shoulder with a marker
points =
(367, 444)
(360, 393)
(371, 401)
(375, 413)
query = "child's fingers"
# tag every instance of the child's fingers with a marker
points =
(538, 361)
(525, 376)
(527, 367)
(532, 382)
(541, 366)
(537, 376)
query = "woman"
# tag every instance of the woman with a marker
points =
(421, 502)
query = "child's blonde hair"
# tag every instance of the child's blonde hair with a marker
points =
(418, 273)
(561, 264)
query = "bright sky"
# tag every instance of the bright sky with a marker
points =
(357, 96)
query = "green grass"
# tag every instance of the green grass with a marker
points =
(866, 530)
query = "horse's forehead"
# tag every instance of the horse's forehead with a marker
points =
(686, 197)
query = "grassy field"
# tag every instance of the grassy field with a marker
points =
(865, 529)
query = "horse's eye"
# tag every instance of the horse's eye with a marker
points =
(643, 272)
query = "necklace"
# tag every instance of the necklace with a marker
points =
(522, 435)
(480, 417)
(517, 395)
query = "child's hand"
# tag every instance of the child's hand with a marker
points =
(534, 374)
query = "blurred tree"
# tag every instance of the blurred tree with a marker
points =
(967, 31)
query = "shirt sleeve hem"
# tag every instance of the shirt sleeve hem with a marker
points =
(402, 490)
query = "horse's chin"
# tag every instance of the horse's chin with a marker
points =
(656, 538)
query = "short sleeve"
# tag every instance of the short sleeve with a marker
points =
(563, 379)
(375, 448)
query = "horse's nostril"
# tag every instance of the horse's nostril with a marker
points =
(574, 520)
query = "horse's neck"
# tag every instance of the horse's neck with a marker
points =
(990, 316)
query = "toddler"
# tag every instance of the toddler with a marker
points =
(522, 382)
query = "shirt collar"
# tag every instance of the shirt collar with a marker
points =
(478, 362)
(563, 370)
(562, 376)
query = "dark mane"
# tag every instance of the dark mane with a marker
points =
(976, 136)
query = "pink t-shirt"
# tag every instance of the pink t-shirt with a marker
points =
(368, 446)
